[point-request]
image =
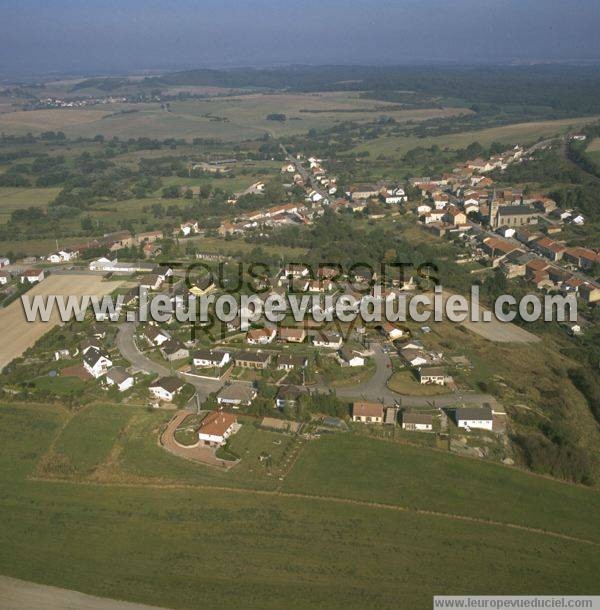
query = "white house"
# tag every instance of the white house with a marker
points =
(392, 332)
(166, 388)
(187, 228)
(260, 336)
(62, 256)
(216, 428)
(350, 357)
(418, 422)
(432, 375)
(4, 261)
(119, 377)
(396, 195)
(32, 276)
(237, 394)
(327, 340)
(474, 417)
(174, 350)
(315, 196)
(156, 335)
(209, 357)
(96, 362)
(367, 412)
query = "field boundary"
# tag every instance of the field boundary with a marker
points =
(332, 499)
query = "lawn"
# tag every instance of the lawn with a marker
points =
(404, 382)
(198, 548)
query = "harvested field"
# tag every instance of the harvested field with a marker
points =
(19, 334)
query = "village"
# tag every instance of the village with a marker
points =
(285, 367)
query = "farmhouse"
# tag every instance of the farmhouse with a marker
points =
(237, 394)
(96, 362)
(119, 377)
(166, 388)
(432, 375)
(252, 360)
(419, 422)
(367, 412)
(216, 428)
(474, 417)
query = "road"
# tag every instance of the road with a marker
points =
(129, 350)
(306, 175)
(375, 389)
(31, 596)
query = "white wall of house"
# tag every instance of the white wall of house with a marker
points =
(483, 424)
(162, 394)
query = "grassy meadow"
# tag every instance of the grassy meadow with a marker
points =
(12, 199)
(242, 544)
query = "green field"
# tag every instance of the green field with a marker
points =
(38, 247)
(196, 547)
(230, 118)
(19, 198)
(88, 437)
(520, 133)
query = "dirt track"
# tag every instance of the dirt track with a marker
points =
(21, 595)
(18, 334)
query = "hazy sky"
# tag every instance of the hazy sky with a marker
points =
(38, 36)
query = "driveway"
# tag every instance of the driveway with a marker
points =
(196, 453)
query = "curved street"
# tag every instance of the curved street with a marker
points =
(128, 349)
(375, 389)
